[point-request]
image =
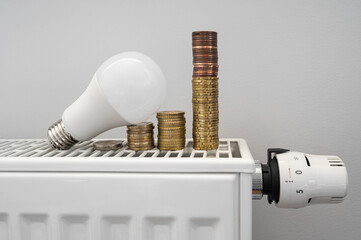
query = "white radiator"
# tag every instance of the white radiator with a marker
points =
(81, 194)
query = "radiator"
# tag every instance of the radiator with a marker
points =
(82, 194)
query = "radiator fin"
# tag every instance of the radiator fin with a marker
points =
(116, 228)
(159, 228)
(34, 227)
(204, 229)
(74, 227)
(4, 227)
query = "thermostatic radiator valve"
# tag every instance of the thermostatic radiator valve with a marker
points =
(294, 179)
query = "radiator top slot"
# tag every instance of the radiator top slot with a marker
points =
(41, 148)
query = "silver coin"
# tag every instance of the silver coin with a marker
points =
(107, 145)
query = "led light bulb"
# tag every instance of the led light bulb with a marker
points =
(127, 89)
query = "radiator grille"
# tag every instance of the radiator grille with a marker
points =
(41, 148)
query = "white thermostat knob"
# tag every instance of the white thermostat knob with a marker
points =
(310, 179)
(294, 179)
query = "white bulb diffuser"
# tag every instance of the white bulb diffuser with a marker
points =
(127, 89)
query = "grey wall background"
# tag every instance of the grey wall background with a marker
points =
(290, 76)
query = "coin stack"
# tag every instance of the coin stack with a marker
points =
(171, 130)
(140, 136)
(205, 90)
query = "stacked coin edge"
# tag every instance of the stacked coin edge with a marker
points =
(140, 136)
(205, 90)
(171, 130)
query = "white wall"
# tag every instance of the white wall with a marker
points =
(290, 76)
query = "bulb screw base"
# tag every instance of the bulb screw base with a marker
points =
(59, 138)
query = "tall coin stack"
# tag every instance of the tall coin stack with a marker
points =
(140, 136)
(171, 130)
(205, 90)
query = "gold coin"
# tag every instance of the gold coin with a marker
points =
(205, 78)
(172, 130)
(168, 128)
(204, 100)
(170, 113)
(195, 143)
(205, 148)
(171, 144)
(137, 143)
(171, 126)
(171, 133)
(203, 121)
(140, 140)
(205, 81)
(205, 135)
(205, 115)
(143, 125)
(205, 111)
(205, 95)
(205, 90)
(205, 106)
(171, 136)
(168, 143)
(141, 148)
(205, 142)
(205, 86)
(205, 132)
(151, 145)
(170, 119)
(208, 139)
(198, 82)
(171, 141)
(204, 127)
(170, 148)
(140, 133)
(170, 123)
(213, 118)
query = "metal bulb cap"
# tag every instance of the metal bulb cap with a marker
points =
(59, 138)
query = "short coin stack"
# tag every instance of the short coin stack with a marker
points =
(140, 136)
(171, 130)
(205, 90)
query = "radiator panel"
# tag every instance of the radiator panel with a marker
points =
(109, 206)
(82, 193)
